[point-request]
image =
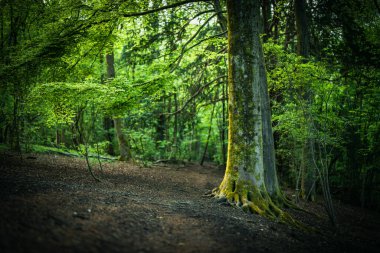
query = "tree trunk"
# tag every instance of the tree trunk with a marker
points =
(107, 121)
(174, 147)
(221, 19)
(302, 26)
(244, 181)
(208, 134)
(267, 16)
(269, 158)
(107, 126)
(124, 150)
(303, 49)
(161, 127)
(15, 131)
(224, 126)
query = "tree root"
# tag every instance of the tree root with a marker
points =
(260, 203)
(282, 201)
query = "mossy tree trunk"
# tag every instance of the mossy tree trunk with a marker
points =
(244, 183)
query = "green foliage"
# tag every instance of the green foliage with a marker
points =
(58, 103)
(51, 150)
(305, 106)
(170, 76)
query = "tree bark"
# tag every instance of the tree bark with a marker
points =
(269, 158)
(244, 181)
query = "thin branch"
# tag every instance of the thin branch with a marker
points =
(147, 82)
(170, 6)
(81, 57)
(179, 58)
(205, 39)
(199, 91)
(217, 100)
(191, 19)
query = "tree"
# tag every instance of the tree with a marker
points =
(308, 175)
(124, 150)
(244, 181)
(302, 27)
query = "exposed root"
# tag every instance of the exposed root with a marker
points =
(254, 201)
(282, 201)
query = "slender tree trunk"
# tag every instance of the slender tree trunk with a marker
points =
(267, 16)
(124, 150)
(107, 121)
(302, 26)
(208, 135)
(271, 180)
(275, 20)
(221, 18)
(174, 148)
(161, 127)
(168, 123)
(57, 137)
(12, 42)
(108, 126)
(289, 29)
(15, 131)
(224, 126)
(303, 49)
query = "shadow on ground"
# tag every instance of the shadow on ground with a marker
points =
(51, 204)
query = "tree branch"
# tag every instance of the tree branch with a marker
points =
(183, 50)
(169, 6)
(196, 94)
(205, 39)
(191, 19)
(214, 101)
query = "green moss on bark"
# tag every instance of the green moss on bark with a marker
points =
(244, 181)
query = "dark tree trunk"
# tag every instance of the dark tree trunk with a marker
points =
(224, 126)
(108, 126)
(267, 16)
(302, 25)
(161, 127)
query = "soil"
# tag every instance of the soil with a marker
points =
(49, 203)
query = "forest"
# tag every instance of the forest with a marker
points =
(178, 112)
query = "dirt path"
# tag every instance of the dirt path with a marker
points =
(50, 204)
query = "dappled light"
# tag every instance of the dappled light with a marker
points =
(189, 126)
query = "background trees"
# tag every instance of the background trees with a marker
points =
(170, 90)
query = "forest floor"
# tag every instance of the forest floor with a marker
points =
(49, 203)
